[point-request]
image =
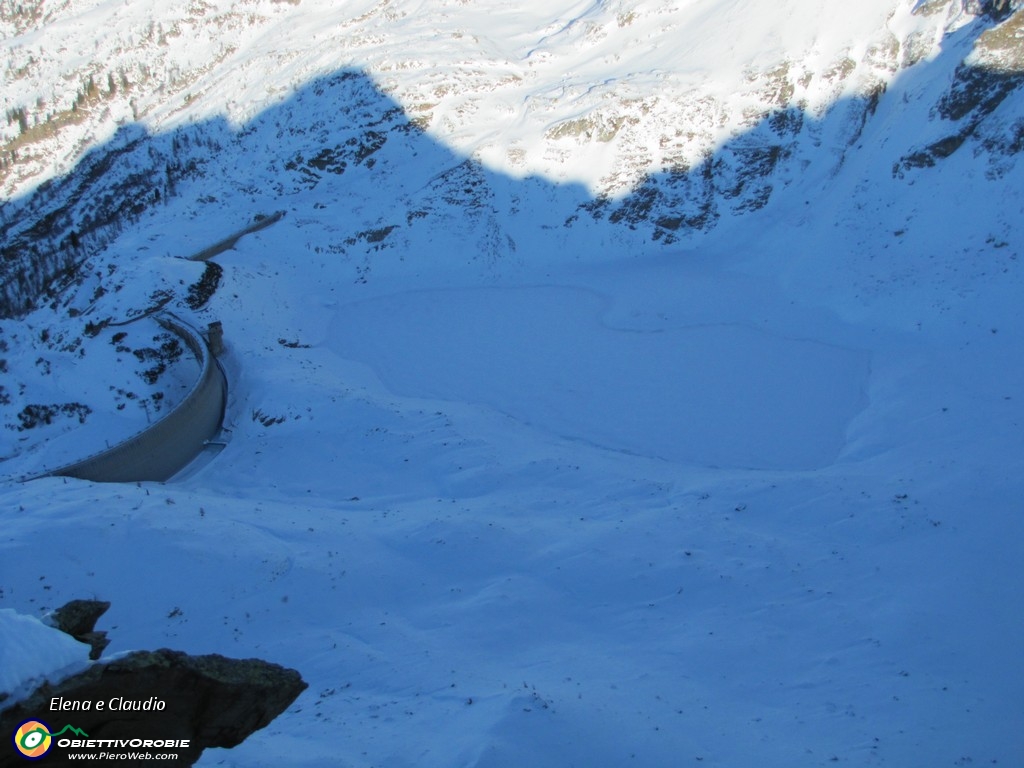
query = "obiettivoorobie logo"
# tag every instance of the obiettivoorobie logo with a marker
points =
(33, 739)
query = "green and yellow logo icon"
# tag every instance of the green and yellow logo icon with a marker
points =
(33, 739)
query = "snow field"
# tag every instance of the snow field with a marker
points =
(752, 501)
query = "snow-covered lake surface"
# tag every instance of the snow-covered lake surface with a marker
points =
(474, 558)
(720, 394)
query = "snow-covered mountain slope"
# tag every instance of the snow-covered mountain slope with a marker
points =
(623, 381)
(658, 116)
(628, 86)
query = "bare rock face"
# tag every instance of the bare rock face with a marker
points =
(78, 618)
(211, 701)
(181, 703)
(995, 9)
(992, 73)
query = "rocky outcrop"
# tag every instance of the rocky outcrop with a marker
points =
(78, 619)
(181, 702)
(210, 701)
(996, 9)
(981, 84)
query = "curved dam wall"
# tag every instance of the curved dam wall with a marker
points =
(171, 442)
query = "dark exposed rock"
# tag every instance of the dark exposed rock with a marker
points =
(78, 619)
(357, 150)
(211, 701)
(78, 616)
(994, 9)
(978, 89)
(34, 414)
(738, 179)
(976, 92)
(200, 292)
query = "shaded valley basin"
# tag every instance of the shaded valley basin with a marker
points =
(728, 394)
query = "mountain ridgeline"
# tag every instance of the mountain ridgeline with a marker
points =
(960, 92)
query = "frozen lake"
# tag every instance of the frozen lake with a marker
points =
(720, 394)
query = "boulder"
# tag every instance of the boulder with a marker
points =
(164, 695)
(78, 619)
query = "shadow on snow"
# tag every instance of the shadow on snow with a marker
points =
(381, 187)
